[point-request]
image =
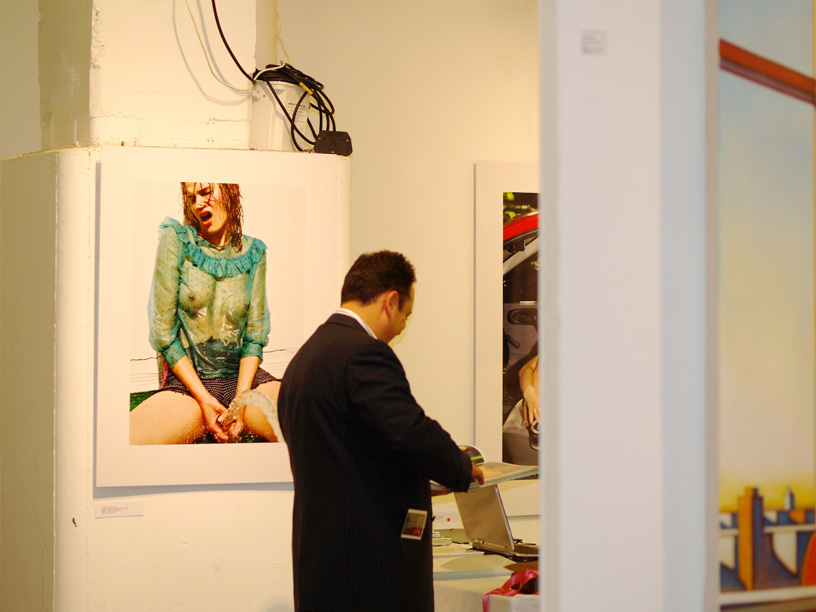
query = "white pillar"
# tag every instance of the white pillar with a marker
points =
(266, 32)
(625, 463)
(147, 74)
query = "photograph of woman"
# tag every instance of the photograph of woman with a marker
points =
(209, 323)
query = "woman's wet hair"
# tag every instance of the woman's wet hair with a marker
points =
(376, 273)
(230, 198)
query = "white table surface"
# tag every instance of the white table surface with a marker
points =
(462, 577)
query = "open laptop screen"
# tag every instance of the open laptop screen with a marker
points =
(483, 517)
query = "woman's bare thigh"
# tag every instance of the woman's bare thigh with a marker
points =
(256, 421)
(166, 417)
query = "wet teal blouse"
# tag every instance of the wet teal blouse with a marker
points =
(208, 302)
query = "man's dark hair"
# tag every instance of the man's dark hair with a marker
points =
(376, 273)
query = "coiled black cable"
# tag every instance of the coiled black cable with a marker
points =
(287, 73)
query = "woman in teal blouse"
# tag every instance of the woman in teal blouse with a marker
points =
(209, 323)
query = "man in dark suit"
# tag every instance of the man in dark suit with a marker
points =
(362, 452)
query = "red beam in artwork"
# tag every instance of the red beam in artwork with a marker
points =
(520, 225)
(763, 71)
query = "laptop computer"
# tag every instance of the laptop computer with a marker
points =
(485, 522)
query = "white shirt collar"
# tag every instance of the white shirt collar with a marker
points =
(356, 317)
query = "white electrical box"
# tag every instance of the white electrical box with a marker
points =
(270, 129)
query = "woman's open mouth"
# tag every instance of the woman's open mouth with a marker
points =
(205, 216)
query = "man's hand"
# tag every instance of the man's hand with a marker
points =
(476, 473)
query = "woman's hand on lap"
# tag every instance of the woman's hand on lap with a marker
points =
(211, 409)
(235, 428)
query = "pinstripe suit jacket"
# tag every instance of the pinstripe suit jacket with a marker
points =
(362, 451)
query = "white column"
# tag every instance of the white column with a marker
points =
(73, 346)
(151, 73)
(624, 508)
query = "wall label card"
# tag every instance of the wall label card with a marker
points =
(118, 509)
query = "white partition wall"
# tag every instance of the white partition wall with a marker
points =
(626, 468)
(623, 191)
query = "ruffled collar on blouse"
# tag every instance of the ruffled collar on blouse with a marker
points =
(217, 261)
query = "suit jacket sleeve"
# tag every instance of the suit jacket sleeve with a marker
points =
(381, 397)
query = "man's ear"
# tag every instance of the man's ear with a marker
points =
(392, 302)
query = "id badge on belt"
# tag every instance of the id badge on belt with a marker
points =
(414, 525)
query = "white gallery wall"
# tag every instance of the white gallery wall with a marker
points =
(423, 93)
(425, 90)
(441, 100)
(20, 94)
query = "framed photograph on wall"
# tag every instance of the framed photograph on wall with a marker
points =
(178, 291)
(506, 310)
(765, 300)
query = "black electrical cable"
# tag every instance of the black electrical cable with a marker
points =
(226, 44)
(294, 128)
(287, 73)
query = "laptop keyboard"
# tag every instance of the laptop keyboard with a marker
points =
(525, 549)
